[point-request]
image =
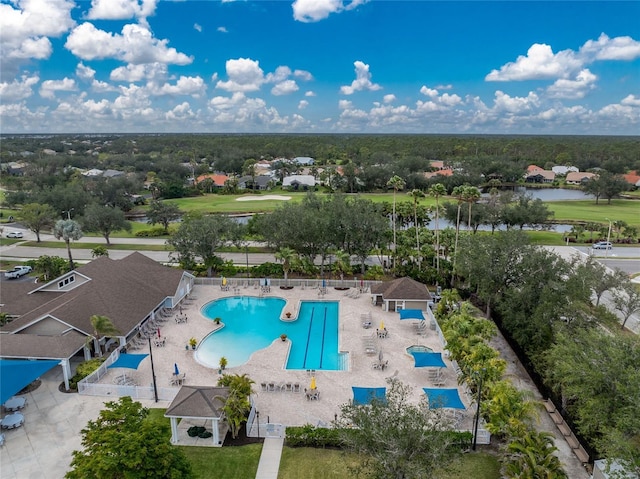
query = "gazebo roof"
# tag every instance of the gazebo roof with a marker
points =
(201, 402)
(402, 289)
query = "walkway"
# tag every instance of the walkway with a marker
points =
(270, 458)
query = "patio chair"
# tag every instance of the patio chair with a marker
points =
(271, 387)
(296, 387)
(263, 386)
(288, 387)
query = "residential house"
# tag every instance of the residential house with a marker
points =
(578, 177)
(52, 320)
(299, 182)
(260, 182)
(303, 161)
(540, 176)
(632, 178)
(219, 180)
(534, 168)
(563, 170)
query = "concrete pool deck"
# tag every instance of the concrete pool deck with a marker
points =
(42, 448)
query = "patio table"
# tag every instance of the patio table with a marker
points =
(11, 421)
(15, 403)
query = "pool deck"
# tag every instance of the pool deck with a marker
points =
(268, 365)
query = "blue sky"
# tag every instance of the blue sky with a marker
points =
(320, 66)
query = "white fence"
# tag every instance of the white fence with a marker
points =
(256, 283)
(91, 386)
(265, 429)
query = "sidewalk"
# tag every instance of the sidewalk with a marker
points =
(270, 458)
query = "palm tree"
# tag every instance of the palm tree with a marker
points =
(102, 326)
(67, 230)
(437, 191)
(459, 193)
(286, 255)
(416, 194)
(531, 457)
(342, 263)
(471, 195)
(397, 184)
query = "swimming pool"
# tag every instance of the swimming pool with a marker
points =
(253, 323)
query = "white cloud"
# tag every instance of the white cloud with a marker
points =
(135, 45)
(631, 100)
(448, 86)
(281, 74)
(102, 87)
(284, 88)
(302, 104)
(303, 75)
(244, 75)
(180, 112)
(573, 89)
(133, 73)
(84, 72)
(389, 98)
(242, 113)
(222, 30)
(185, 85)
(50, 87)
(539, 63)
(25, 26)
(344, 104)
(430, 92)
(504, 102)
(197, 26)
(121, 10)
(18, 89)
(308, 11)
(309, 93)
(362, 81)
(605, 48)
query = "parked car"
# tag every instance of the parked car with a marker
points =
(602, 245)
(15, 234)
(17, 272)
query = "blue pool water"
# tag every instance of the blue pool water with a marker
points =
(253, 323)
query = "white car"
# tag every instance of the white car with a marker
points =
(15, 234)
(602, 245)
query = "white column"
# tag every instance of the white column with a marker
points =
(214, 430)
(174, 430)
(66, 372)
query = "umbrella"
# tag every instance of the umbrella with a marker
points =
(381, 324)
(428, 360)
(224, 281)
(324, 283)
(176, 371)
(443, 398)
(159, 332)
(313, 383)
(380, 355)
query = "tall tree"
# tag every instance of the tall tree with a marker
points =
(199, 238)
(437, 191)
(286, 256)
(163, 213)
(49, 266)
(626, 300)
(459, 194)
(416, 195)
(68, 230)
(102, 327)
(36, 217)
(397, 438)
(125, 443)
(397, 184)
(471, 195)
(105, 220)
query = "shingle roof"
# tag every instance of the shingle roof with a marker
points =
(32, 346)
(402, 289)
(198, 402)
(124, 290)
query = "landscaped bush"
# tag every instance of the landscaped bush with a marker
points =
(151, 233)
(83, 370)
(310, 436)
(267, 270)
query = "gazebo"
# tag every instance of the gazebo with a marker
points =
(400, 294)
(199, 404)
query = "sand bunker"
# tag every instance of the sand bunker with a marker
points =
(265, 197)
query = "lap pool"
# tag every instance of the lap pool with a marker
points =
(253, 323)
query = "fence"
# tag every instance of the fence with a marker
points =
(91, 386)
(266, 429)
(295, 282)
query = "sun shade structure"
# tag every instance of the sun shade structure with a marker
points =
(131, 361)
(428, 360)
(363, 396)
(15, 374)
(443, 398)
(411, 314)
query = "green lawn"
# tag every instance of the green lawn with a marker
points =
(588, 211)
(224, 462)
(330, 464)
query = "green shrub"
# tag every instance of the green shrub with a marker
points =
(267, 270)
(151, 233)
(374, 273)
(83, 370)
(310, 436)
